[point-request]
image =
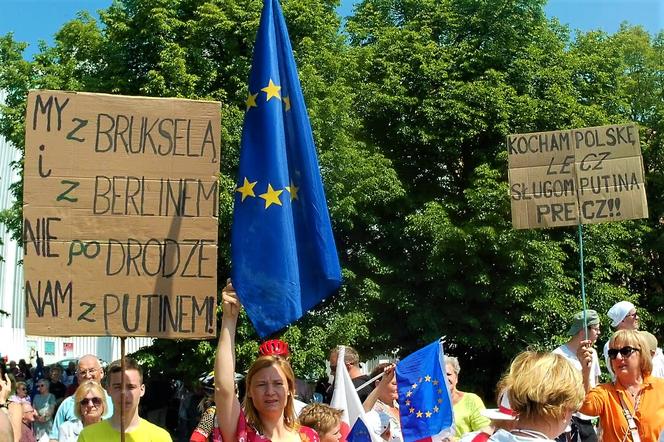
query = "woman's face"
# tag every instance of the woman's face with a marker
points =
(390, 394)
(91, 407)
(22, 391)
(42, 388)
(333, 435)
(452, 377)
(629, 365)
(268, 390)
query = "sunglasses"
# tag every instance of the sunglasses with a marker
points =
(625, 351)
(95, 401)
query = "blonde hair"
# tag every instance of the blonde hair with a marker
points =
(19, 384)
(634, 338)
(85, 388)
(320, 417)
(543, 386)
(290, 418)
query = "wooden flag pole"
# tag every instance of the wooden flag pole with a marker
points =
(122, 388)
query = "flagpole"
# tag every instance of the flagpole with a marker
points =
(583, 284)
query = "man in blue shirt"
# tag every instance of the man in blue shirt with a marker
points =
(89, 369)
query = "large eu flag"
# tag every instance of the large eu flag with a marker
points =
(284, 259)
(425, 406)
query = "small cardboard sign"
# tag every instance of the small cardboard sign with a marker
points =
(589, 175)
(120, 215)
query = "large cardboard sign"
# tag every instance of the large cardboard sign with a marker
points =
(588, 175)
(120, 215)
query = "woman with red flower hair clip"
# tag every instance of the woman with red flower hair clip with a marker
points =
(268, 414)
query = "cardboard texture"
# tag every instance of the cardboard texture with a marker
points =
(589, 175)
(120, 215)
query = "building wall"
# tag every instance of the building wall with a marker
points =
(13, 341)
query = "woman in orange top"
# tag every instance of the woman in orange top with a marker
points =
(632, 408)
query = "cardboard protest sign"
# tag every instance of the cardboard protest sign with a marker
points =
(588, 175)
(120, 215)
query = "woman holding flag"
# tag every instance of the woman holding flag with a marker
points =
(268, 414)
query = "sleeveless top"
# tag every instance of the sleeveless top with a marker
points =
(247, 433)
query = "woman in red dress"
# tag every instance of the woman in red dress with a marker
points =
(268, 413)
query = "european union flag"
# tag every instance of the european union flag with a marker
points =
(424, 400)
(359, 433)
(284, 260)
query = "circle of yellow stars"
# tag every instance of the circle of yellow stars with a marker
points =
(439, 400)
(271, 195)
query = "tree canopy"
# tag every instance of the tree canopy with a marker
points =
(410, 103)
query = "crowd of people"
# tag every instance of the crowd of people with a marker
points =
(549, 396)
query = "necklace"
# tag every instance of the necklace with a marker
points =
(531, 433)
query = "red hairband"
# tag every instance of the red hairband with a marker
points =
(274, 347)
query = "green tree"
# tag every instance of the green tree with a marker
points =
(202, 49)
(410, 105)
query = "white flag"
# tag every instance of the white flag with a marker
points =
(345, 398)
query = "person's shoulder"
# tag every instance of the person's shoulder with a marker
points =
(503, 436)
(604, 389)
(656, 382)
(361, 379)
(95, 431)
(560, 350)
(472, 397)
(308, 434)
(157, 434)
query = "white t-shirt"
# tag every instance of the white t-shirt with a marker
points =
(506, 436)
(658, 364)
(595, 370)
(608, 361)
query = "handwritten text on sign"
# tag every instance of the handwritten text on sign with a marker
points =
(120, 215)
(594, 173)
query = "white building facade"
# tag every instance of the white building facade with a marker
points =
(14, 343)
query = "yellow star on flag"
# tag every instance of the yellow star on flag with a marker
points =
(428, 414)
(440, 401)
(251, 101)
(427, 378)
(419, 413)
(272, 90)
(435, 382)
(409, 393)
(414, 386)
(408, 402)
(271, 196)
(440, 391)
(435, 409)
(411, 409)
(247, 189)
(292, 189)
(287, 103)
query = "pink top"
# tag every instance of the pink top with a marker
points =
(246, 433)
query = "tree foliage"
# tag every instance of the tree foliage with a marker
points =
(410, 104)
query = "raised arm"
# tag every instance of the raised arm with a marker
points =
(228, 406)
(585, 356)
(383, 386)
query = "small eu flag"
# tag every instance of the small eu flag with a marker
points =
(424, 401)
(284, 259)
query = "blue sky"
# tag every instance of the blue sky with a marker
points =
(34, 20)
